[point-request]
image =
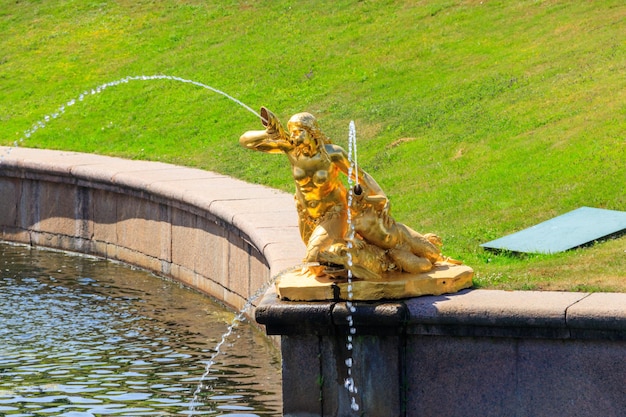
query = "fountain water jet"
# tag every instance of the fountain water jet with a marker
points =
(42, 123)
(353, 186)
(239, 317)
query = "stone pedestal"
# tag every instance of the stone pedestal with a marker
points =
(444, 278)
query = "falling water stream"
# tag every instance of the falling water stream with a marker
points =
(353, 169)
(42, 123)
(239, 317)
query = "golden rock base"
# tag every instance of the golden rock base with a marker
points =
(298, 285)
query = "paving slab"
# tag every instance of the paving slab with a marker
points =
(599, 311)
(60, 162)
(495, 308)
(283, 256)
(155, 179)
(257, 207)
(107, 170)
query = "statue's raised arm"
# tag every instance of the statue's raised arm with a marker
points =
(340, 158)
(273, 139)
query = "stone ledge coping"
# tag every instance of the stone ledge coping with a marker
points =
(493, 313)
(269, 219)
(265, 215)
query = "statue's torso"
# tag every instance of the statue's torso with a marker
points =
(318, 187)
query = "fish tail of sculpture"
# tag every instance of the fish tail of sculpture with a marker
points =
(434, 239)
(452, 261)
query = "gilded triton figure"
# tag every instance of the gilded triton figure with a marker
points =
(381, 245)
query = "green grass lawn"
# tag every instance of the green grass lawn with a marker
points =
(478, 118)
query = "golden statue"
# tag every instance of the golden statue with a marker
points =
(378, 246)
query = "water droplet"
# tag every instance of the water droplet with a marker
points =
(354, 406)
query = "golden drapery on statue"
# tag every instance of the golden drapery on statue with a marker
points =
(381, 249)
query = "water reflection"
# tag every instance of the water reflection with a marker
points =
(87, 337)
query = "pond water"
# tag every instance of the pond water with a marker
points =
(81, 336)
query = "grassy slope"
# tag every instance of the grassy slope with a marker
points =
(511, 112)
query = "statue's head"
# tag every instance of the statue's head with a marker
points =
(303, 120)
(308, 122)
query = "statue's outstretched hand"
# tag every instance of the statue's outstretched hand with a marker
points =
(272, 125)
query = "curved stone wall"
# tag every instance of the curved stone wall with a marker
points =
(210, 231)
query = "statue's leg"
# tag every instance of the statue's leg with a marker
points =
(368, 262)
(330, 229)
(318, 249)
(319, 241)
(306, 227)
(420, 245)
(407, 261)
(327, 245)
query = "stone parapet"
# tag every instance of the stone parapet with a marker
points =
(477, 352)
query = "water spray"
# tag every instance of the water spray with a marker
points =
(353, 186)
(239, 317)
(42, 123)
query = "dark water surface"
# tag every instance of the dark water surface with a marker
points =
(86, 337)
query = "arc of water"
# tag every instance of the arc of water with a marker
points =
(61, 109)
(349, 383)
(239, 317)
(352, 148)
